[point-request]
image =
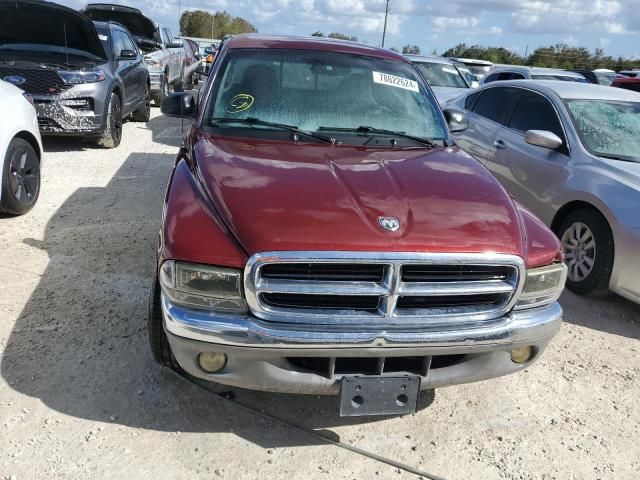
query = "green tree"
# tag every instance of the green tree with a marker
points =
(317, 34)
(411, 50)
(553, 56)
(198, 23)
(342, 36)
(491, 54)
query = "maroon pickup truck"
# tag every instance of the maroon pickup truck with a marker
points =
(322, 234)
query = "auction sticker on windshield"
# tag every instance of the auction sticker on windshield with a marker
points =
(393, 81)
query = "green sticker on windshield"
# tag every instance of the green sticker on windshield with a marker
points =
(240, 103)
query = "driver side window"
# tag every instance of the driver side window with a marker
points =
(535, 112)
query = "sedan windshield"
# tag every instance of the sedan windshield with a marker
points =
(608, 129)
(442, 75)
(352, 98)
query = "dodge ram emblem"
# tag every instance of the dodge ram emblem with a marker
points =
(389, 223)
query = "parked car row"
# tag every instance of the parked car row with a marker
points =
(87, 71)
(480, 72)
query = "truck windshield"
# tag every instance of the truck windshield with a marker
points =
(342, 95)
(442, 75)
(609, 129)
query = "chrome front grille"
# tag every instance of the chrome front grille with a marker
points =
(382, 289)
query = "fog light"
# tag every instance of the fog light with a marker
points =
(521, 354)
(212, 362)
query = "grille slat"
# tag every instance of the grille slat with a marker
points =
(455, 288)
(339, 272)
(322, 287)
(329, 302)
(453, 273)
(379, 289)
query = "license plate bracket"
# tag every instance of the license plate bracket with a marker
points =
(378, 395)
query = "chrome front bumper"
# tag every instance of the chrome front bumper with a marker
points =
(258, 351)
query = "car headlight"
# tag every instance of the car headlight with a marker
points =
(77, 78)
(542, 286)
(151, 62)
(203, 286)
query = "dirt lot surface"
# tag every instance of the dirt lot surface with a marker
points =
(81, 397)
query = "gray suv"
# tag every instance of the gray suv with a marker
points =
(84, 78)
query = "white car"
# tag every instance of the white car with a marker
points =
(20, 151)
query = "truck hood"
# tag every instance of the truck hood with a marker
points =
(27, 25)
(286, 196)
(141, 27)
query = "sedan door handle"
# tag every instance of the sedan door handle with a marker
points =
(499, 144)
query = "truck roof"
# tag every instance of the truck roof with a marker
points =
(252, 40)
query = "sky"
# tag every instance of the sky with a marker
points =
(518, 25)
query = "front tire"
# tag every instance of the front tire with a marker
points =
(20, 179)
(112, 135)
(589, 248)
(159, 97)
(143, 114)
(158, 340)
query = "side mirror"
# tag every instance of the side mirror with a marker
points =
(542, 138)
(174, 45)
(127, 54)
(202, 70)
(180, 105)
(456, 119)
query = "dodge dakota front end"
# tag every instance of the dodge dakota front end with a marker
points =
(322, 234)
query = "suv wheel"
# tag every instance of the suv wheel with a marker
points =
(589, 249)
(113, 133)
(143, 114)
(159, 97)
(21, 178)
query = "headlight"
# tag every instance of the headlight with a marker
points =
(542, 286)
(203, 286)
(151, 62)
(77, 78)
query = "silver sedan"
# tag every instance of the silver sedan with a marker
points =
(570, 152)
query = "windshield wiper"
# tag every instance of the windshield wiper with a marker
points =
(263, 123)
(383, 131)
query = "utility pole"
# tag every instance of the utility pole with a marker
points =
(384, 30)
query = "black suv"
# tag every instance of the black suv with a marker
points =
(84, 77)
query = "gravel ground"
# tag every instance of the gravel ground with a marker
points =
(80, 396)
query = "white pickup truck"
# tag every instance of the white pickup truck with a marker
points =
(163, 54)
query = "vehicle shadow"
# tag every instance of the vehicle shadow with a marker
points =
(610, 314)
(80, 342)
(68, 144)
